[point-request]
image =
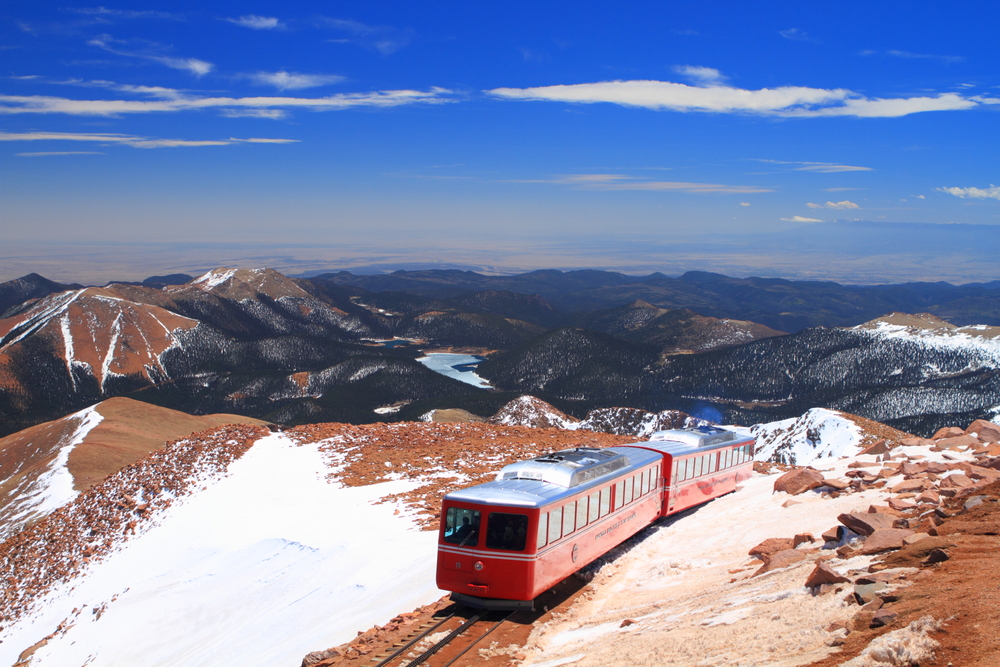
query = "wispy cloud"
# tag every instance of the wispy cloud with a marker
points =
(264, 107)
(713, 97)
(193, 65)
(292, 81)
(834, 204)
(925, 56)
(841, 189)
(744, 203)
(702, 76)
(123, 13)
(132, 140)
(382, 38)
(795, 34)
(255, 22)
(992, 192)
(820, 167)
(622, 182)
(46, 153)
(799, 218)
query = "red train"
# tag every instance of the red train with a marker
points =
(505, 542)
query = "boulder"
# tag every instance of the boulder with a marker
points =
(780, 560)
(906, 486)
(913, 468)
(955, 481)
(770, 546)
(866, 594)
(883, 617)
(958, 442)
(901, 505)
(834, 534)
(798, 481)
(914, 538)
(948, 432)
(937, 468)
(936, 556)
(916, 442)
(866, 523)
(802, 538)
(877, 447)
(824, 574)
(885, 539)
(979, 472)
(838, 484)
(986, 431)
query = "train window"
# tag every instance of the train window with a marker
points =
(645, 482)
(595, 506)
(461, 527)
(683, 471)
(619, 494)
(555, 524)
(711, 462)
(605, 501)
(569, 518)
(581, 513)
(506, 531)
(656, 476)
(725, 458)
(543, 530)
(629, 488)
(697, 467)
(673, 477)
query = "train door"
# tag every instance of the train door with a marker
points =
(670, 465)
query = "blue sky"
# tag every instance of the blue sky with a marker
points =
(546, 129)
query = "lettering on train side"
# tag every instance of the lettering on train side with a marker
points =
(615, 526)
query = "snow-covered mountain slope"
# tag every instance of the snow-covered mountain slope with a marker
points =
(240, 546)
(34, 469)
(45, 466)
(816, 435)
(531, 411)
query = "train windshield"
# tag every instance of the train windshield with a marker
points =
(507, 531)
(461, 527)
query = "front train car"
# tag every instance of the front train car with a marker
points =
(503, 543)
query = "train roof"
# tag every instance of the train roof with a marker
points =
(565, 473)
(678, 442)
(545, 479)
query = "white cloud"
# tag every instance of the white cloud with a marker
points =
(924, 56)
(621, 182)
(839, 205)
(44, 153)
(744, 203)
(713, 97)
(291, 81)
(795, 35)
(193, 65)
(131, 140)
(920, 196)
(254, 106)
(704, 76)
(799, 218)
(258, 22)
(384, 39)
(821, 167)
(122, 13)
(992, 192)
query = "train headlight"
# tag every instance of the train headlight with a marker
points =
(478, 565)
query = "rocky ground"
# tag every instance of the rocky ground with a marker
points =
(905, 579)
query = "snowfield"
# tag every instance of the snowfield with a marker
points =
(270, 562)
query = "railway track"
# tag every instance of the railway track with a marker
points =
(457, 627)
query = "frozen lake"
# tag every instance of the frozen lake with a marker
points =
(462, 367)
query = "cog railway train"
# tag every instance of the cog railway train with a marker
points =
(503, 543)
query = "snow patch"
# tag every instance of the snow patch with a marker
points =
(452, 365)
(214, 278)
(817, 434)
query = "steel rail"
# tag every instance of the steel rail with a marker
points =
(481, 638)
(420, 659)
(402, 649)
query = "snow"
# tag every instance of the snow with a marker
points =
(986, 350)
(446, 362)
(54, 487)
(261, 567)
(214, 278)
(817, 434)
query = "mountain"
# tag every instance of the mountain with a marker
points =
(234, 340)
(14, 293)
(45, 466)
(674, 331)
(782, 305)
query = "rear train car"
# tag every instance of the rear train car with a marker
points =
(503, 543)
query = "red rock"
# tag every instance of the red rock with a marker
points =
(914, 538)
(885, 539)
(928, 496)
(838, 484)
(986, 431)
(955, 481)
(913, 468)
(910, 485)
(900, 505)
(832, 535)
(883, 617)
(877, 447)
(979, 472)
(802, 538)
(790, 502)
(959, 442)
(780, 560)
(916, 442)
(937, 468)
(824, 574)
(865, 523)
(797, 481)
(770, 546)
(947, 432)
